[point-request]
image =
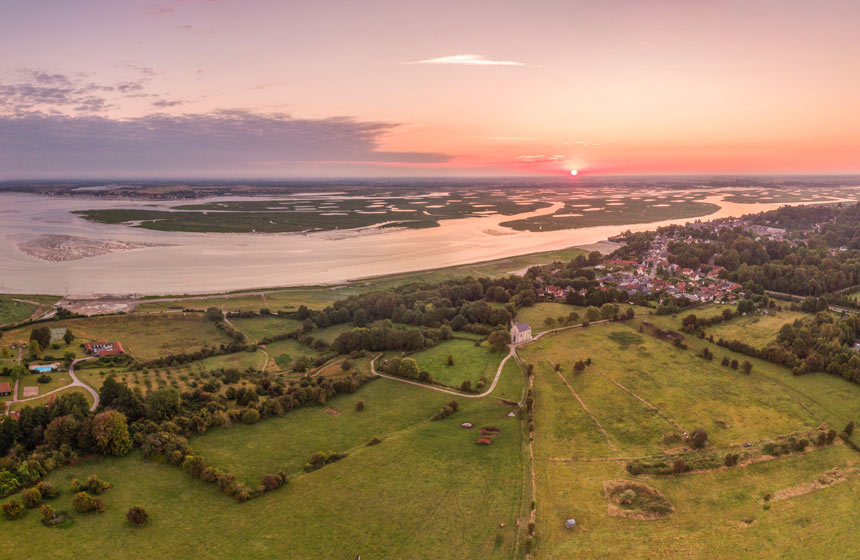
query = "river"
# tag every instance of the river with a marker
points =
(210, 262)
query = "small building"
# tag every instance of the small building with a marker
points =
(570, 523)
(5, 389)
(484, 441)
(466, 425)
(520, 333)
(100, 349)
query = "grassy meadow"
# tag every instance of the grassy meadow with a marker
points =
(471, 363)
(718, 513)
(426, 491)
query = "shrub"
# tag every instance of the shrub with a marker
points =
(93, 485)
(47, 490)
(635, 468)
(800, 445)
(273, 481)
(732, 459)
(627, 497)
(49, 516)
(450, 360)
(136, 515)
(13, 509)
(679, 466)
(359, 406)
(698, 438)
(849, 428)
(31, 497)
(44, 378)
(346, 365)
(251, 416)
(83, 503)
(374, 441)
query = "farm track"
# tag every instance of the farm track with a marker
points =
(646, 403)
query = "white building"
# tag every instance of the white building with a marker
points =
(521, 332)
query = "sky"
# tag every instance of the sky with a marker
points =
(273, 89)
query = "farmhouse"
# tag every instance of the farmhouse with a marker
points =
(5, 389)
(521, 332)
(104, 348)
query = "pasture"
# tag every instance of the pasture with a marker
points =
(471, 363)
(718, 513)
(375, 502)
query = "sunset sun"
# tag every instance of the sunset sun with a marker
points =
(573, 172)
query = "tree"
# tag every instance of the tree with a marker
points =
(110, 431)
(162, 404)
(592, 314)
(359, 318)
(346, 365)
(498, 340)
(42, 335)
(746, 367)
(214, 314)
(450, 360)
(34, 348)
(849, 429)
(608, 310)
(68, 337)
(359, 406)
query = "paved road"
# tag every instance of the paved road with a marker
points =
(75, 383)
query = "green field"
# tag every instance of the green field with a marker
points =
(424, 492)
(13, 310)
(471, 363)
(719, 513)
(755, 329)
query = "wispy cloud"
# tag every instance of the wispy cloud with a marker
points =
(467, 60)
(539, 158)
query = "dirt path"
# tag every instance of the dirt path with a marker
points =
(585, 408)
(249, 337)
(646, 403)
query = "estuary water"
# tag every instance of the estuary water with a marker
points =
(188, 263)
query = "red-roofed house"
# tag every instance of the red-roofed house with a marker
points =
(104, 348)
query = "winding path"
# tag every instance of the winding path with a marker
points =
(75, 383)
(511, 353)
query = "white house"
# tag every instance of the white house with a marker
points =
(521, 332)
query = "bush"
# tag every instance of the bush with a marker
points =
(627, 497)
(732, 459)
(93, 485)
(273, 481)
(13, 509)
(346, 365)
(635, 468)
(359, 406)
(136, 515)
(44, 378)
(31, 497)
(49, 516)
(47, 490)
(83, 503)
(251, 416)
(698, 438)
(374, 441)
(679, 466)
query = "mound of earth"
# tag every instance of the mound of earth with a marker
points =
(633, 500)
